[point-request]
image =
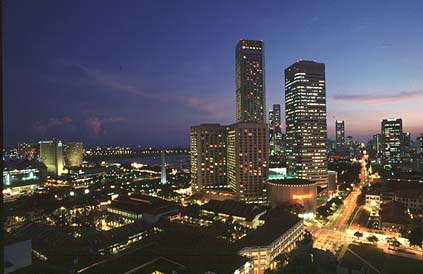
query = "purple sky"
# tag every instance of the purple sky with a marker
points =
(143, 72)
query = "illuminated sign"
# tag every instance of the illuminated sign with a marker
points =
(301, 197)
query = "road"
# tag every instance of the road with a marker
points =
(335, 235)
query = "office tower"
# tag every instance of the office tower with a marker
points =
(376, 144)
(391, 142)
(208, 156)
(250, 91)
(163, 171)
(275, 131)
(28, 150)
(340, 138)
(51, 154)
(73, 153)
(306, 132)
(247, 161)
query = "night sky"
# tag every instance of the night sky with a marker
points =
(142, 72)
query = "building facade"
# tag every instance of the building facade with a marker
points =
(250, 90)
(392, 142)
(51, 154)
(29, 150)
(247, 161)
(208, 156)
(73, 153)
(306, 130)
(265, 254)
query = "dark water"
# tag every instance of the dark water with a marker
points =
(179, 161)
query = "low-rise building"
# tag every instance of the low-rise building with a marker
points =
(279, 234)
(247, 215)
(410, 198)
(147, 209)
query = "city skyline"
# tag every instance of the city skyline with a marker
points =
(371, 58)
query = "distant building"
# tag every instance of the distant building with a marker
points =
(247, 161)
(250, 91)
(275, 131)
(208, 156)
(22, 176)
(340, 138)
(306, 130)
(73, 153)
(392, 144)
(29, 150)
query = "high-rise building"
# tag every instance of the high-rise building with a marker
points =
(340, 138)
(306, 131)
(73, 153)
(250, 91)
(247, 161)
(275, 131)
(392, 142)
(208, 156)
(28, 150)
(51, 154)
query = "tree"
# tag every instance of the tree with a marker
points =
(373, 239)
(358, 234)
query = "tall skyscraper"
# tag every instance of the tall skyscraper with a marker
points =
(163, 169)
(73, 153)
(306, 131)
(247, 161)
(51, 154)
(392, 142)
(208, 156)
(250, 90)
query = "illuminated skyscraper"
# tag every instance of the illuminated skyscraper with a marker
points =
(208, 156)
(250, 91)
(306, 132)
(51, 154)
(247, 161)
(73, 153)
(392, 142)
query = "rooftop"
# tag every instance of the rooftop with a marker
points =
(234, 208)
(291, 181)
(277, 222)
(143, 204)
